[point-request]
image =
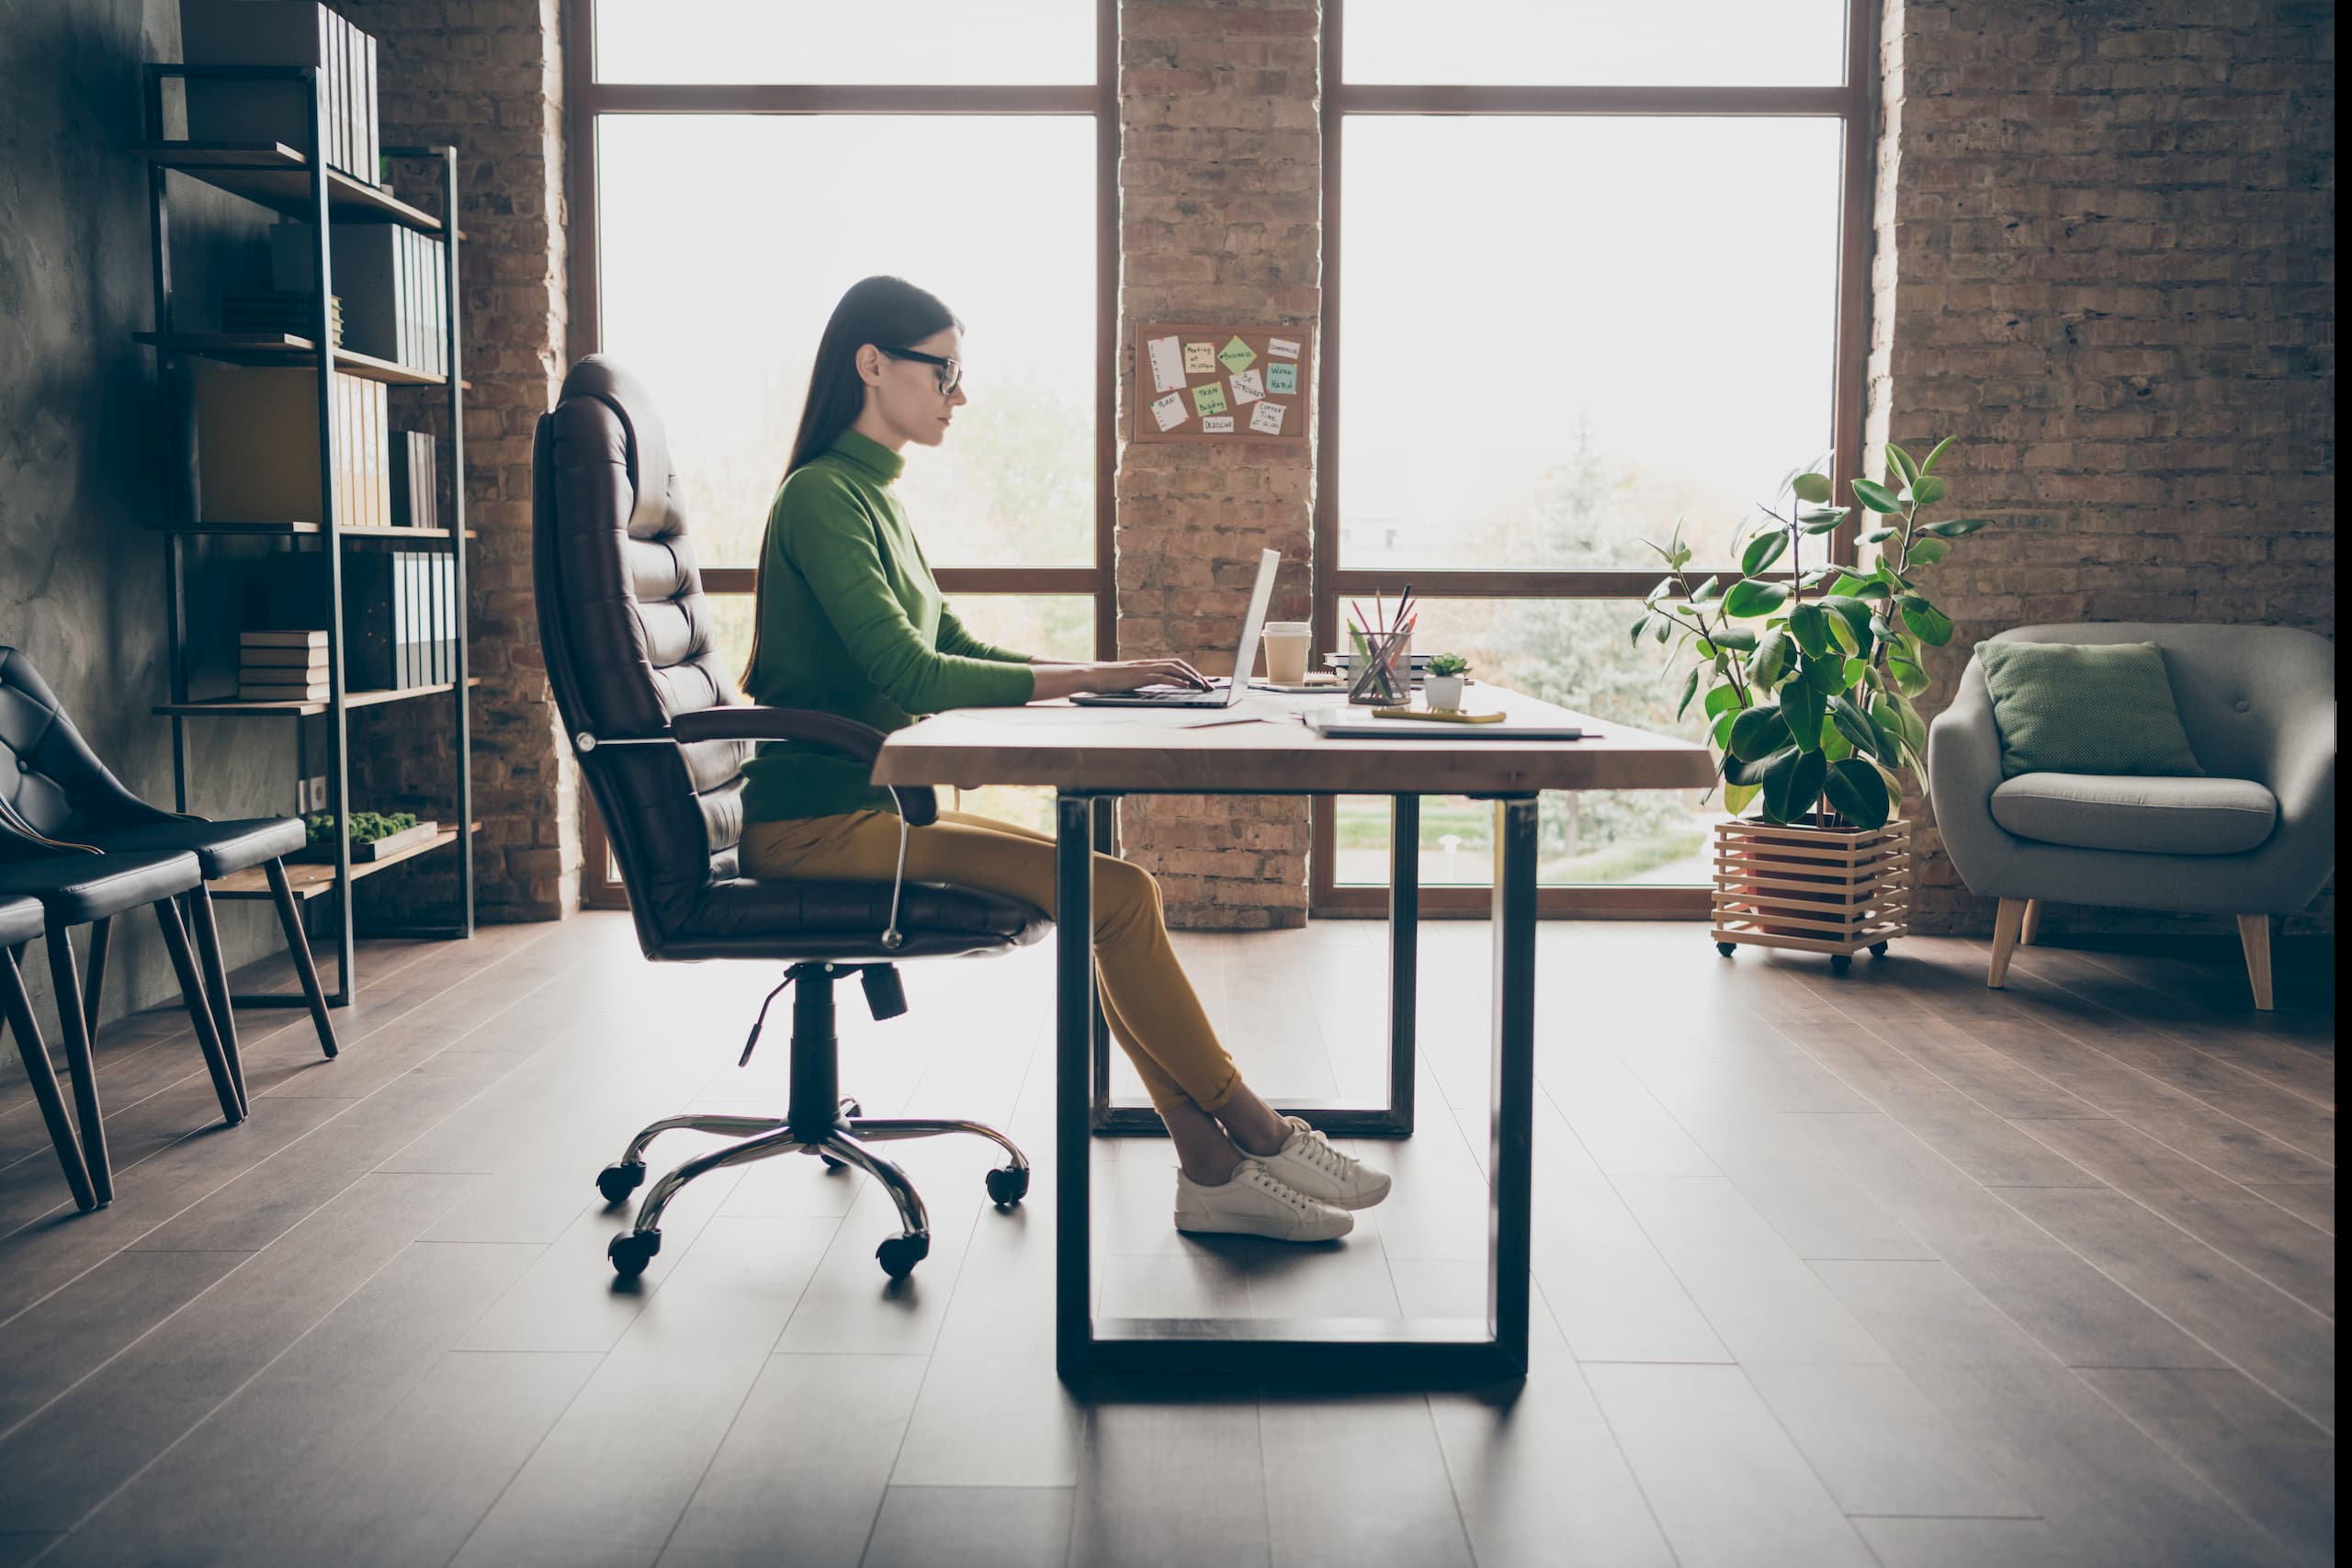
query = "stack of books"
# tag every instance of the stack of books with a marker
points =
(278, 311)
(257, 447)
(282, 666)
(392, 278)
(283, 32)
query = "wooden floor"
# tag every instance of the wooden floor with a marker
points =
(1880, 1268)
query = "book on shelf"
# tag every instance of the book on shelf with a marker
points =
(398, 631)
(257, 445)
(387, 276)
(415, 491)
(297, 636)
(288, 692)
(280, 663)
(280, 310)
(283, 32)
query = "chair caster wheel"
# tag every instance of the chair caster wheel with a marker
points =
(1877, 950)
(1008, 1186)
(831, 1163)
(1840, 962)
(901, 1253)
(617, 1181)
(1726, 949)
(632, 1251)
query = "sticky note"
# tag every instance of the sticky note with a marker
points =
(1266, 419)
(1281, 348)
(1170, 411)
(1166, 365)
(1248, 389)
(1237, 356)
(1208, 400)
(1217, 424)
(1200, 359)
(1282, 378)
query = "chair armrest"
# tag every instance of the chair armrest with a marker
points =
(1963, 769)
(830, 732)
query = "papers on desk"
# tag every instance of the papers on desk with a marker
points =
(1354, 724)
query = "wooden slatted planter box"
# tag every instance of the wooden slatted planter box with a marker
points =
(1830, 890)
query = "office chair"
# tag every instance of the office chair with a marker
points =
(20, 922)
(70, 794)
(661, 737)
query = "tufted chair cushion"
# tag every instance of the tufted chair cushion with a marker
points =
(49, 776)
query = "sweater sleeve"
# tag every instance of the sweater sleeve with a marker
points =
(829, 539)
(956, 637)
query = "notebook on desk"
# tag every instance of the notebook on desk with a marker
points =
(1354, 724)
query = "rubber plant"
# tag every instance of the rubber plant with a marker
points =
(1809, 674)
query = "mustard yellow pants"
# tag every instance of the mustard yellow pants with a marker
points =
(1149, 1005)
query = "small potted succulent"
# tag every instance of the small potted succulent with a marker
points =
(1444, 681)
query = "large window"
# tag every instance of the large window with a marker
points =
(1588, 271)
(738, 163)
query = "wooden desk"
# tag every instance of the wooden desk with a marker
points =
(1089, 756)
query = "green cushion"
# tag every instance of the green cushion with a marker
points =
(2065, 707)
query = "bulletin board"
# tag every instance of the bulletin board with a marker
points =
(1223, 384)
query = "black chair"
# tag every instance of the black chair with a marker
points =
(660, 739)
(77, 885)
(20, 922)
(65, 792)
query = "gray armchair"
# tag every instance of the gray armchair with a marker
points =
(2255, 837)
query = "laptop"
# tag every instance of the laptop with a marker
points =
(1244, 656)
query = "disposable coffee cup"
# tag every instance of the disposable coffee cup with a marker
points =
(1286, 645)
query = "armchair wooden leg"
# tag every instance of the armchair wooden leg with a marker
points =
(2006, 923)
(2254, 935)
(2031, 929)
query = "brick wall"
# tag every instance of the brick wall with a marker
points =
(2105, 260)
(487, 77)
(1220, 191)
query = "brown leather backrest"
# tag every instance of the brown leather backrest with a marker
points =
(628, 638)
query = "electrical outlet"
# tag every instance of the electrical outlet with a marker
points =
(313, 793)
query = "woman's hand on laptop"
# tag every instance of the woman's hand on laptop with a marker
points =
(1127, 675)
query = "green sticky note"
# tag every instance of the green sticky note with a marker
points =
(1282, 378)
(1237, 355)
(1208, 400)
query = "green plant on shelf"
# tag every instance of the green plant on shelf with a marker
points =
(366, 827)
(1448, 664)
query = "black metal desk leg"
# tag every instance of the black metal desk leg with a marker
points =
(1404, 956)
(1074, 1040)
(1512, 1131)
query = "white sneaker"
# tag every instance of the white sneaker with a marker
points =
(1309, 1162)
(1256, 1202)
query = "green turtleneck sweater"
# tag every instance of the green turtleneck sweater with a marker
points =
(851, 623)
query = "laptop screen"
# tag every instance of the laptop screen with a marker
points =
(1260, 596)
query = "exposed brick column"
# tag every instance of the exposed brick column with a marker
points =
(1220, 180)
(487, 77)
(2105, 261)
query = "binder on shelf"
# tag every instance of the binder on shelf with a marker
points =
(257, 441)
(412, 493)
(281, 32)
(385, 275)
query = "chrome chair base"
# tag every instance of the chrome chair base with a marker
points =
(764, 1137)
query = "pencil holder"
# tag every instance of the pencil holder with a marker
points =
(1382, 680)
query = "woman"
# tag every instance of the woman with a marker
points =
(850, 621)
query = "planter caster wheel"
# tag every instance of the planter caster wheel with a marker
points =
(1008, 1186)
(1840, 962)
(1877, 950)
(632, 1251)
(899, 1255)
(617, 1181)
(1726, 949)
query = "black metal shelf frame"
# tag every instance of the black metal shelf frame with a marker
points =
(329, 194)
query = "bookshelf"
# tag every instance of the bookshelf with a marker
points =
(296, 178)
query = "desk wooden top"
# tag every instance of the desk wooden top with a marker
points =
(1143, 751)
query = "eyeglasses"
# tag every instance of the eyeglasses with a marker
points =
(950, 371)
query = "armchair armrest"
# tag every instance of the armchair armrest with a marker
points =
(1963, 769)
(842, 737)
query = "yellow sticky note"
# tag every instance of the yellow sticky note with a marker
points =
(1200, 359)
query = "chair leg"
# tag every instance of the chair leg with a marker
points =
(290, 915)
(911, 1218)
(18, 1009)
(200, 1008)
(216, 981)
(65, 985)
(2254, 935)
(94, 988)
(877, 1130)
(2006, 923)
(765, 1146)
(2031, 929)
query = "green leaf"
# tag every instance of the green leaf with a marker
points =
(1847, 584)
(1856, 792)
(1926, 552)
(1877, 497)
(1690, 690)
(1821, 519)
(1872, 588)
(1811, 487)
(1880, 536)
(1721, 731)
(1737, 638)
(1926, 623)
(1808, 625)
(1737, 797)
(1801, 714)
(1843, 631)
(1757, 732)
(1641, 625)
(1953, 527)
(1901, 463)
(1915, 729)
(1854, 725)
(1665, 586)
(1707, 650)
(1854, 671)
(1854, 612)
(1834, 745)
(1665, 628)
(1762, 552)
(1705, 590)
(1741, 771)
(1790, 792)
(1901, 722)
(1722, 697)
(1928, 466)
(1926, 491)
(1752, 598)
(1770, 660)
(1908, 677)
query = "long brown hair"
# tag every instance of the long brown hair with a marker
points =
(889, 312)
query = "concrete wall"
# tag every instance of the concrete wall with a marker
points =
(81, 577)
